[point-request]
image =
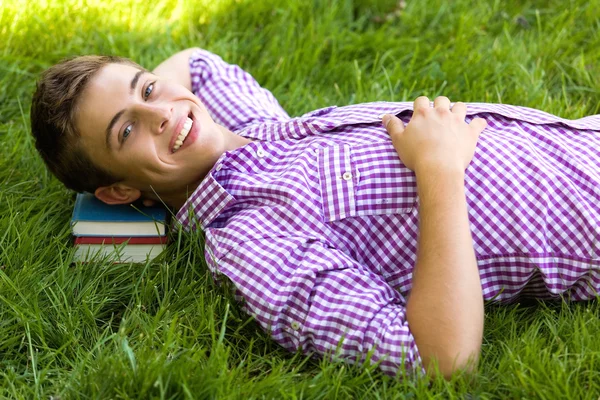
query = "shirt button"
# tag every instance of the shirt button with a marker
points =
(218, 168)
(347, 176)
(295, 325)
(260, 153)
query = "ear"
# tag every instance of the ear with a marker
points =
(117, 193)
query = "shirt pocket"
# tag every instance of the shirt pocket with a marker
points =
(364, 180)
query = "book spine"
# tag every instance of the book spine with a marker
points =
(118, 240)
(77, 209)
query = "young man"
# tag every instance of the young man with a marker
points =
(341, 239)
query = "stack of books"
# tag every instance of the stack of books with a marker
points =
(125, 233)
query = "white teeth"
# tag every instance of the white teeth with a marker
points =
(183, 134)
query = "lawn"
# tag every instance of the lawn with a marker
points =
(165, 330)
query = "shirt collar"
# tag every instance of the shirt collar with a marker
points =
(206, 203)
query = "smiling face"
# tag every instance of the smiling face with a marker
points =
(153, 132)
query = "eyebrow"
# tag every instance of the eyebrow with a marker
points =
(114, 119)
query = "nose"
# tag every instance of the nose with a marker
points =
(155, 115)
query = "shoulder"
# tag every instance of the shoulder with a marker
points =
(177, 67)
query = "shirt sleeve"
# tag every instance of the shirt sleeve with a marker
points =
(318, 299)
(231, 95)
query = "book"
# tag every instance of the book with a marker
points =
(92, 217)
(124, 232)
(122, 249)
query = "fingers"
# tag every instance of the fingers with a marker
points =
(478, 125)
(421, 102)
(460, 109)
(393, 124)
(441, 102)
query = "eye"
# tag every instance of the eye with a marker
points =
(148, 90)
(126, 132)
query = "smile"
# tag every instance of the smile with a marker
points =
(187, 126)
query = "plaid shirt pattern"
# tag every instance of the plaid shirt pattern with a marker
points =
(315, 221)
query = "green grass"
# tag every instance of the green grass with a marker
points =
(165, 330)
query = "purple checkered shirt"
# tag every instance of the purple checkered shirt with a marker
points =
(315, 221)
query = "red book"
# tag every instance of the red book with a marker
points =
(120, 249)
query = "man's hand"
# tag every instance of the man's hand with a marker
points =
(435, 137)
(445, 306)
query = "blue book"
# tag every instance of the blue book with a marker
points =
(92, 217)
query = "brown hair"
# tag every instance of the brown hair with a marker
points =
(53, 113)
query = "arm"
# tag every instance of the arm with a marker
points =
(445, 306)
(312, 297)
(176, 68)
(231, 95)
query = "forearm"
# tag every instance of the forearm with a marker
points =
(445, 306)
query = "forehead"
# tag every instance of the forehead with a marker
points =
(105, 95)
(106, 88)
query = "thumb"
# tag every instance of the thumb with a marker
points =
(478, 125)
(393, 124)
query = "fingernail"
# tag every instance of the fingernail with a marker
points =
(385, 118)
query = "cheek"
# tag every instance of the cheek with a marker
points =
(141, 156)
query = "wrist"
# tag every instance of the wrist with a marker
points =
(445, 172)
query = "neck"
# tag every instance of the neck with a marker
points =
(234, 141)
(176, 200)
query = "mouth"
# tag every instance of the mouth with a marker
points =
(182, 133)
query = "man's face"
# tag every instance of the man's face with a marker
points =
(132, 122)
